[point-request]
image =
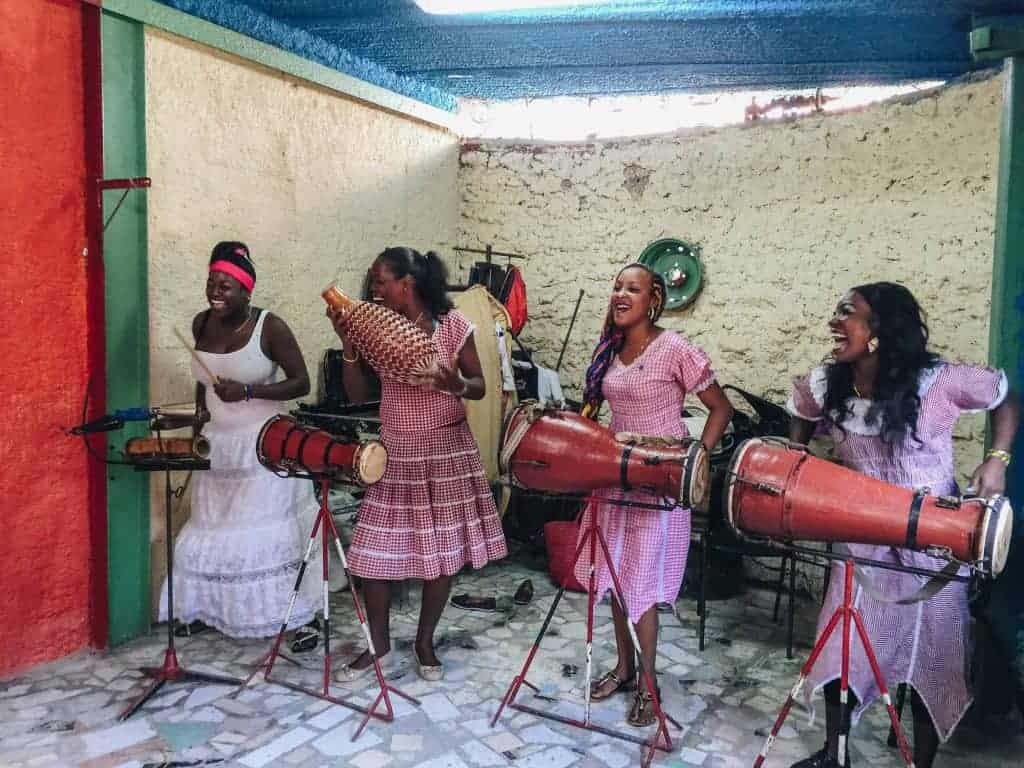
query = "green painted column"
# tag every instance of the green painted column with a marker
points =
(127, 321)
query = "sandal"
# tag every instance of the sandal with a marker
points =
(307, 637)
(608, 685)
(642, 712)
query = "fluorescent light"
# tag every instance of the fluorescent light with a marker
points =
(496, 6)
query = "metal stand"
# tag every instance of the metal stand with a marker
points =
(848, 614)
(324, 523)
(592, 537)
(170, 671)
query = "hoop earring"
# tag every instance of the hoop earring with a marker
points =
(872, 345)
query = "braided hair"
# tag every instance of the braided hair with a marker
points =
(429, 276)
(612, 339)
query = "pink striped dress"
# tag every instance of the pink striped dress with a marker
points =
(925, 644)
(433, 510)
(648, 547)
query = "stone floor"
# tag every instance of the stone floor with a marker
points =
(725, 698)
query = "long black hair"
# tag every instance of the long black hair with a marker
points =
(429, 276)
(613, 338)
(898, 324)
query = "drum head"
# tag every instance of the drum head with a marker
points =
(261, 454)
(732, 477)
(371, 462)
(512, 418)
(996, 533)
(697, 479)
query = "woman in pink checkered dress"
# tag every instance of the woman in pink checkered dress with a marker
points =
(645, 373)
(432, 512)
(890, 406)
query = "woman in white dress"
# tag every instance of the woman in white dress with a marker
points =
(236, 560)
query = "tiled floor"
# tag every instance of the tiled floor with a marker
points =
(725, 698)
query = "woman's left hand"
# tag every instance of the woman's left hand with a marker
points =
(989, 479)
(229, 391)
(441, 378)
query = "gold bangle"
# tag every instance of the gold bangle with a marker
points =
(352, 360)
(1003, 456)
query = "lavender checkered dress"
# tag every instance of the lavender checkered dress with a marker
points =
(925, 644)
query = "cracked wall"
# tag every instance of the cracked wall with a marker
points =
(789, 216)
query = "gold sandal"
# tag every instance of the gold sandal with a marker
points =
(642, 713)
(608, 684)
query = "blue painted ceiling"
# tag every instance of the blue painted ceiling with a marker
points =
(619, 47)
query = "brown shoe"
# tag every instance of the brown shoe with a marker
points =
(608, 685)
(642, 713)
(524, 594)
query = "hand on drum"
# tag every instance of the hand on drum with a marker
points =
(229, 390)
(441, 378)
(988, 480)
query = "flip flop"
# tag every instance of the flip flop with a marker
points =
(524, 594)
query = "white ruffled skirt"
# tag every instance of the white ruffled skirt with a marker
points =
(237, 558)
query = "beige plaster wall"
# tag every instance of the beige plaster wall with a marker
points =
(789, 216)
(315, 184)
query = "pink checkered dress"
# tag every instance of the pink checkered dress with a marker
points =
(925, 644)
(648, 547)
(433, 511)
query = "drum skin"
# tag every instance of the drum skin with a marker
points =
(285, 445)
(785, 493)
(563, 452)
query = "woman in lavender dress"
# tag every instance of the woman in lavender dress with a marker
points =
(890, 406)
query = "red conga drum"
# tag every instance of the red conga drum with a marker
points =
(563, 452)
(780, 491)
(287, 447)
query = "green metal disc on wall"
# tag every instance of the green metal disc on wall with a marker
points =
(678, 262)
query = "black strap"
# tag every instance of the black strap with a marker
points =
(915, 514)
(624, 466)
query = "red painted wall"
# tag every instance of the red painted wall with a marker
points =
(47, 488)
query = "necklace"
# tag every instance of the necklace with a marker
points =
(248, 316)
(857, 393)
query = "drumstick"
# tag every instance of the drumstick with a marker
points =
(195, 355)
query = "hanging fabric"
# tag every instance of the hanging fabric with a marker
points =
(515, 299)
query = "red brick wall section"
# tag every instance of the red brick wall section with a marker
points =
(45, 555)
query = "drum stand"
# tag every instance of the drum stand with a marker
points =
(848, 613)
(592, 537)
(170, 672)
(325, 525)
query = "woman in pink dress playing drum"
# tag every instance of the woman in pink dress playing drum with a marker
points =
(890, 406)
(645, 373)
(433, 511)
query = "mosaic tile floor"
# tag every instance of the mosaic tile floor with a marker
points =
(725, 698)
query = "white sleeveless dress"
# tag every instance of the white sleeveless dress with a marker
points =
(236, 559)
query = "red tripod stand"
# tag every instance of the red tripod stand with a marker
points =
(849, 615)
(594, 536)
(324, 524)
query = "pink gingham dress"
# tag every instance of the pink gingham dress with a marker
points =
(925, 644)
(433, 511)
(648, 546)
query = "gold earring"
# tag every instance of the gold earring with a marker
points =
(872, 345)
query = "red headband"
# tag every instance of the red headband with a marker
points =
(248, 281)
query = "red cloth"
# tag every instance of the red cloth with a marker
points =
(515, 301)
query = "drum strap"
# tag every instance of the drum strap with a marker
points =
(627, 450)
(928, 590)
(915, 514)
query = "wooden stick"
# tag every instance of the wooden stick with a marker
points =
(195, 355)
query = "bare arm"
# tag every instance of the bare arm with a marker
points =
(800, 430)
(720, 412)
(279, 345)
(989, 478)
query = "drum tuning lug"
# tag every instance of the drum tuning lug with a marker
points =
(948, 502)
(769, 489)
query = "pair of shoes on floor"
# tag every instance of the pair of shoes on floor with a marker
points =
(821, 759)
(187, 630)
(307, 637)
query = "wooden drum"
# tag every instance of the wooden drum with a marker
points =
(563, 452)
(778, 490)
(287, 447)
